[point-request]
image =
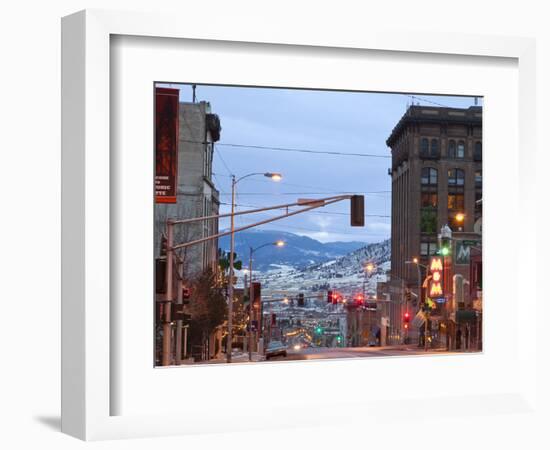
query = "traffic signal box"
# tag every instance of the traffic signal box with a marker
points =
(301, 300)
(256, 294)
(406, 320)
(357, 210)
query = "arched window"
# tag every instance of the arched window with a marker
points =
(456, 177)
(434, 153)
(460, 150)
(424, 147)
(451, 152)
(477, 151)
(429, 176)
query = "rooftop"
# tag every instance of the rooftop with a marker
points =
(435, 114)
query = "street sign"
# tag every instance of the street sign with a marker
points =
(419, 319)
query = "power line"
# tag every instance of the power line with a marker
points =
(414, 97)
(310, 212)
(229, 172)
(314, 193)
(289, 149)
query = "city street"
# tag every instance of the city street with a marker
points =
(353, 352)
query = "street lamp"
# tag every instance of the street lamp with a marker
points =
(275, 177)
(279, 244)
(369, 267)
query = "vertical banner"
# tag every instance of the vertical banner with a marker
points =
(166, 144)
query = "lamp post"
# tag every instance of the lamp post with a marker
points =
(234, 181)
(251, 292)
(369, 267)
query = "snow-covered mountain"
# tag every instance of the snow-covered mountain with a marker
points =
(299, 251)
(345, 274)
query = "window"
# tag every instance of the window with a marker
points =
(479, 179)
(434, 153)
(428, 248)
(455, 201)
(429, 200)
(428, 220)
(429, 176)
(460, 150)
(451, 152)
(424, 147)
(477, 151)
(456, 177)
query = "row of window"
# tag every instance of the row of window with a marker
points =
(455, 177)
(455, 149)
(454, 200)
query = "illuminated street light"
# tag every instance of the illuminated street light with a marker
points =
(274, 176)
(459, 217)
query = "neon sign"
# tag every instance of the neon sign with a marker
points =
(436, 271)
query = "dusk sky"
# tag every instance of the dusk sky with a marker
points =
(347, 122)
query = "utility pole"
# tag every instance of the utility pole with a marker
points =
(167, 325)
(179, 323)
(251, 305)
(229, 346)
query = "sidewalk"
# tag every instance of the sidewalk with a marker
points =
(236, 357)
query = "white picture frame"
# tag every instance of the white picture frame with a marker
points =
(89, 386)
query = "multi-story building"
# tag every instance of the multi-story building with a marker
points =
(185, 135)
(436, 180)
(196, 194)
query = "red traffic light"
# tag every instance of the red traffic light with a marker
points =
(406, 319)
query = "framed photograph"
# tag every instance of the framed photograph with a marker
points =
(262, 230)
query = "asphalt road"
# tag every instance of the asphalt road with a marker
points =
(353, 352)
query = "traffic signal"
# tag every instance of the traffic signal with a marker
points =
(318, 330)
(256, 294)
(273, 319)
(163, 245)
(160, 275)
(301, 299)
(185, 295)
(359, 299)
(406, 320)
(408, 295)
(335, 297)
(329, 296)
(357, 210)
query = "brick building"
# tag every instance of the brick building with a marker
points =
(436, 180)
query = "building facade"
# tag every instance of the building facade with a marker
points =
(184, 189)
(436, 180)
(196, 194)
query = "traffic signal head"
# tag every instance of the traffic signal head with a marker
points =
(329, 296)
(445, 251)
(357, 212)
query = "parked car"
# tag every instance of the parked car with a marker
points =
(275, 348)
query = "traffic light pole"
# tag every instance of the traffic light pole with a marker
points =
(167, 325)
(179, 323)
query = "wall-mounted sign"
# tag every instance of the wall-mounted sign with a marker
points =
(166, 144)
(436, 272)
(462, 251)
